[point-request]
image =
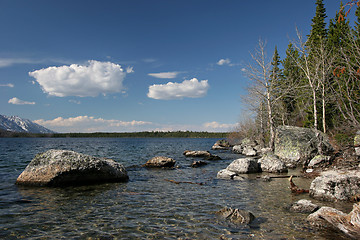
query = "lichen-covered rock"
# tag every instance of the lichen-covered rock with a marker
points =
(62, 167)
(244, 165)
(296, 145)
(236, 216)
(271, 163)
(160, 162)
(201, 154)
(336, 185)
(303, 206)
(327, 218)
(226, 174)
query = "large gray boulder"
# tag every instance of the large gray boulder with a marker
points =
(271, 163)
(160, 162)
(296, 145)
(327, 218)
(336, 185)
(63, 167)
(244, 165)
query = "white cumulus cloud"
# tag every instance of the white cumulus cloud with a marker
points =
(81, 80)
(188, 88)
(90, 124)
(164, 74)
(17, 101)
(223, 62)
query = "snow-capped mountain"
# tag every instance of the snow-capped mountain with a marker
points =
(17, 124)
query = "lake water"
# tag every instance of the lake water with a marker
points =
(147, 206)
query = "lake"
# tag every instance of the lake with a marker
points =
(147, 206)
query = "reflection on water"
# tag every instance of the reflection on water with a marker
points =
(146, 207)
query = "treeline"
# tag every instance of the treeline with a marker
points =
(316, 85)
(152, 134)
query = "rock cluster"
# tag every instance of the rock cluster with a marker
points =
(62, 167)
(221, 145)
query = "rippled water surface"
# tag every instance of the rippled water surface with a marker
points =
(148, 206)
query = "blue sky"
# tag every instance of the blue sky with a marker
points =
(138, 65)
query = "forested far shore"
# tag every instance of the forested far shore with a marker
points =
(152, 134)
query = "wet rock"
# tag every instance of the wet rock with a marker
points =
(319, 161)
(327, 218)
(266, 178)
(271, 163)
(303, 206)
(221, 145)
(201, 154)
(296, 145)
(196, 164)
(336, 185)
(62, 167)
(226, 174)
(244, 165)
(236, 216)
(160, 162)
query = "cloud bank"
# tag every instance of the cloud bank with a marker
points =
(81, 80)
(164, 74)
(188, 88)
(10, 85)
(211, 126)
(17, 101)
(90, 124)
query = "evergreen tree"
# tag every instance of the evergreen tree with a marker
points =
(292, 76)
(318, 27)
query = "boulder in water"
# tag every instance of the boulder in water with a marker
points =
(160, 162)
(63, 167)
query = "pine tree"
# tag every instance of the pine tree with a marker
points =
(318, 27)
(292, 76)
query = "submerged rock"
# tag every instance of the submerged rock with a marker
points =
(236, 216)
(303, 206)
(328, 218)
(196, 164)
(336, 185)
(63, 167)
(201, 154)
(244, 165)
(271, 163)
(296, 145)
(160, 162)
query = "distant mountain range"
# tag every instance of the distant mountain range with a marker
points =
(17, 124)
